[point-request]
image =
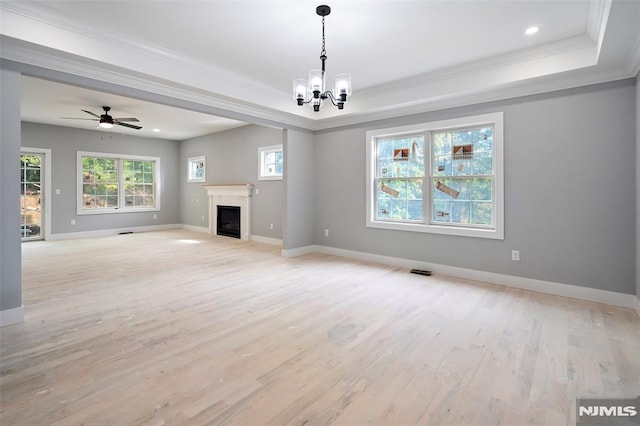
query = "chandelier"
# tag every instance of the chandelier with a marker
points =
(313, 91)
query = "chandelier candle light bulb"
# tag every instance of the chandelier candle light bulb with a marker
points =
(316, 77)
(343, 86)
(313, 91)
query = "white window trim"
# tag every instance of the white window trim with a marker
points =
(261, 151)
(47, 195)
(496, 232)
(190, 162)
(156, 176)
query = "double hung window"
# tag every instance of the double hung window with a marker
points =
(109, 183)
(444, 177)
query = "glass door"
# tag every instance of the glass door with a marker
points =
(31, 196)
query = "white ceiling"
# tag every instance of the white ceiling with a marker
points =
(46, 102)
(237, 59)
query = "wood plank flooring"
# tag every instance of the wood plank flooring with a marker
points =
(180, 328)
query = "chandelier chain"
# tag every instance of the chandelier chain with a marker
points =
(324, 51)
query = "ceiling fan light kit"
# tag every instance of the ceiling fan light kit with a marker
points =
(314, 90)
(106, 121)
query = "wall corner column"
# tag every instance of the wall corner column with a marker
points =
(11, 310)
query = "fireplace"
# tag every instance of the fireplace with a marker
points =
(236, 195)
(228, 223)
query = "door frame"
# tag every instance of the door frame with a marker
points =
(46, 182)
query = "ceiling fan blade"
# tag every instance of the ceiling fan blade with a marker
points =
(127, 119)
(126, 125)
(90, 113)
(78, 118)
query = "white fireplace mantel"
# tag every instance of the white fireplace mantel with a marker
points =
(231, 195)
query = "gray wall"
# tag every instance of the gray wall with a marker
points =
(638, 189)
(10, 254)
(570, 191)
(64, 143)
(299, 223)
(570, 187)
(232, 158)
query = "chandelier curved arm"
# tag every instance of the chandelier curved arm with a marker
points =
(337, 102)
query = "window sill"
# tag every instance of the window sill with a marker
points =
(117, 211)
(491, 233)
(270, 178)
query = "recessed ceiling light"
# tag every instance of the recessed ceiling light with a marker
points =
(531, 30)
(156, 130)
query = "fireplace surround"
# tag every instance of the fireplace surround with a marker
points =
(236, 195)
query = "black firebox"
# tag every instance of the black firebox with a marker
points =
(228, 221)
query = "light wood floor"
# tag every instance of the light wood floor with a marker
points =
(181, 328)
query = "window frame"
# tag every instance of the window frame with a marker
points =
(192, 162)
(262, 151)
(80, 210)
(494, 232)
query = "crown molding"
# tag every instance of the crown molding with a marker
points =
(455, 86)
(541, 85)
(634, 59)
(20, 19)
(45, 16)
(37, 40)
(41, 62)
(597, 19)
(469, 69)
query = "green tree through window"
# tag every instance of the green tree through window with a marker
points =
(112, 183)
(442, 177)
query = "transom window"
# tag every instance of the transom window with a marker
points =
(109, 183)
(444, 177)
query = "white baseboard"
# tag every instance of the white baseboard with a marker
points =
(300, 251)
(266, 240)
(12, 316)
(540, 286)
(256, 238)
(202, 229)
(113, 231)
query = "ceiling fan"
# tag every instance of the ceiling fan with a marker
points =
(106, 121)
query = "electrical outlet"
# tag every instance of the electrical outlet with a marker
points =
(271, 226)
(57, 191)
(197, 200)
(203, 218)
(73, 221)
(515, 255)
(155, 216)
(326, 232)
(257, 191)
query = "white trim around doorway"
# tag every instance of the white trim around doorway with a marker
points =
(48, 194)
